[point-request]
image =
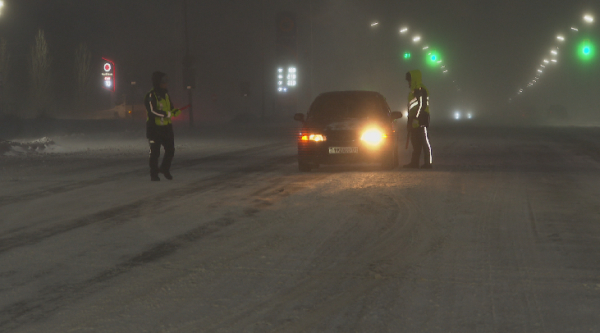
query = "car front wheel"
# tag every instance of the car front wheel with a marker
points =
(304, 167)
(390, 160)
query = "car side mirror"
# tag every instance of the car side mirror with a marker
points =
(396, 115)
(299, 117)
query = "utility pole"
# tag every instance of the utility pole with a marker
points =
(133, 83)
(1, 94)
(264, 59)
(188, 66)
(312, 54)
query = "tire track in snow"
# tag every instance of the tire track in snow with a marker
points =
(44, 192)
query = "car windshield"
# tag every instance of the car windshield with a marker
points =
(347, 106)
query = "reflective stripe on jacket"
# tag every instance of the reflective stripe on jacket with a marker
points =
(160, 109)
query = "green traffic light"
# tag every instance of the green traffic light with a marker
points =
(433, 58)
(407, 55)
(586, 50)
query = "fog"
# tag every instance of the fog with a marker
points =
(492, 49)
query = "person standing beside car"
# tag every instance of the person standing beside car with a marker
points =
(418, 121)
(159, 128)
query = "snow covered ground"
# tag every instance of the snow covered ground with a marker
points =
(502, 236)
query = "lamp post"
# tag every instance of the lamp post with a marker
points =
(133, 83)
(188, 66)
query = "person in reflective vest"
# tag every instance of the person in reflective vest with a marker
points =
(159, 128)
(418, 121)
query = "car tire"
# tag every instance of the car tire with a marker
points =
(390, 161)
(304, 167)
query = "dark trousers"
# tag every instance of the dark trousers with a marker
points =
(167, 140)
(420, 142)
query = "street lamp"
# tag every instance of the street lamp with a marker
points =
(588, 18)
(403, 30)
(560, 38)
(416, 39)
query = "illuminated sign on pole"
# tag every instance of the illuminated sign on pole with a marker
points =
(108, 74)
(286, 79)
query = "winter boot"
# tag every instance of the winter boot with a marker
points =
(167, 175)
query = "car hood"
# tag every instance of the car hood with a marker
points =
(344, 124)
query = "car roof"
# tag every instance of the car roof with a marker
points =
(353, 93)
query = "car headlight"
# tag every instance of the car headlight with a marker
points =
(313, 137)
(373, 136)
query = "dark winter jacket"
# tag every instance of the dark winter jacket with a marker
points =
(159, 109)
(418, 101)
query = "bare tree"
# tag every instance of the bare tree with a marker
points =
(83, 73)
(40, 75)
(4, 66)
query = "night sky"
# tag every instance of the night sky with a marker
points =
(492, 48)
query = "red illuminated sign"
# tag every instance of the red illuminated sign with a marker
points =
(108, 75)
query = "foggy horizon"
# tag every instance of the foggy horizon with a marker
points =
(492, 50)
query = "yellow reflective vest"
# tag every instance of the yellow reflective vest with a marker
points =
(160, 109)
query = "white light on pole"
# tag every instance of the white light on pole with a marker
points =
(574, 29)
(403, 30)
(560, 38)
(374, 24)
(588, 18)
(416, 39)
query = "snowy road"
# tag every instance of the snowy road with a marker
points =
(502, 236)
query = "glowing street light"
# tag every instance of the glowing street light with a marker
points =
(403, 30)
(554, 52)
(574, 29)
(374, 24)
(588, 18)
(546, 61)
(560, 38)
(416, 39)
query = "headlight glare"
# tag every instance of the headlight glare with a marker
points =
(313, 137)
(373, 136)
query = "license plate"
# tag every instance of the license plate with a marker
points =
(343, 150)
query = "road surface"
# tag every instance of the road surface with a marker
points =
(503, 235)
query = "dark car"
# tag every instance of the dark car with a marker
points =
(345, 127)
